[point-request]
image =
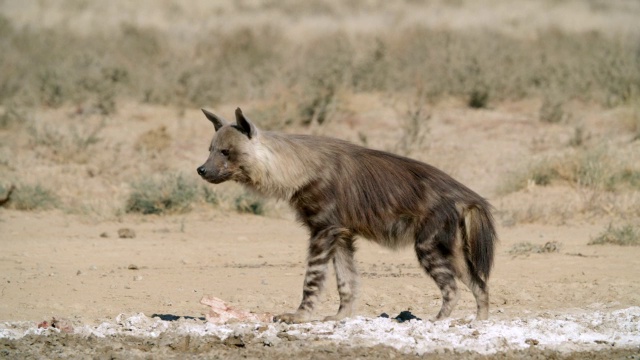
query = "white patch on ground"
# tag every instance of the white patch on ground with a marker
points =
(592, 330)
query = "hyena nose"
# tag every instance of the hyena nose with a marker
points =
(201, 171)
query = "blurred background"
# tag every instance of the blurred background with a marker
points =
(99, 101)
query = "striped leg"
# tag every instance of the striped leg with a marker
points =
(479, 289)
(321, 250)
(435, 262)
(346, 277)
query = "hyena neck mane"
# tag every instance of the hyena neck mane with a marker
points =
(282, 164)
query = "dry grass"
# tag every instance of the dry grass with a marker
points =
(526, 248)
(94, 72)
(624, 235)
(294, 65)
(29, 197)
(599, 168)
(168, 194)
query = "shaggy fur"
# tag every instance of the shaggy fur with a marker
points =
(341, 191)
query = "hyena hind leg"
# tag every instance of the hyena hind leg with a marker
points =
(479, 289)
(442, 271)
(346, 278)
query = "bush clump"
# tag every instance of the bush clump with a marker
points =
(169, 194)
(29, 197)
(624, 235)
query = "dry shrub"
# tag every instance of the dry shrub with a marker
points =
(414, 126)
(162, 195)
(256, 63)
(247, 202)
(154, 141)
(67, 143)
(526, 248)
(598, 168)
(624, 235)
(30, 197)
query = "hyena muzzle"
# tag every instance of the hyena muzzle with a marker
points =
(342, 191)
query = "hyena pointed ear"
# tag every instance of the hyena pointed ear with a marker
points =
(217, 121)
(245, 125)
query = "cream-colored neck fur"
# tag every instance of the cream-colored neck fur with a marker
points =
(282, 165)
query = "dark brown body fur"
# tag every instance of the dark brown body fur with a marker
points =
(341, 191)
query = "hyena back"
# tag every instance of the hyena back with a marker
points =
(341, 191)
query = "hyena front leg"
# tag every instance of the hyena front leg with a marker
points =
(321, 250)
(346, 278)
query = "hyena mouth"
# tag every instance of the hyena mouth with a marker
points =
(215, 179)
(212, 177)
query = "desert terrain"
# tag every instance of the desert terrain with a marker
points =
(105, 225)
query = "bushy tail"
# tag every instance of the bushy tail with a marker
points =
(480, 239)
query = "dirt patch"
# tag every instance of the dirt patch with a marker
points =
(188, 347)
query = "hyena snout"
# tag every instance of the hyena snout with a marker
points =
(201, 170)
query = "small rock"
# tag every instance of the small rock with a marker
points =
(126, 233)
(104, 235)
(234, 341)
(137, 278)
(79, 272)
(531, 342)
(133, 267)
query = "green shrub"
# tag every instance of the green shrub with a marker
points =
(624, 235)
(169, 194)
(525, 248)
(249, 203)
(592, 169)
(478, 99)
(92, 70)
(31, 197)
(210, 196)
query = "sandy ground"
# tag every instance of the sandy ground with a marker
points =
(579, 302)
(57, 265)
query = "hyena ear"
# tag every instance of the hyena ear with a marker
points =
(217, 121)
(245, 125)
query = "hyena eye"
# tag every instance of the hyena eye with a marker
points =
(225, 152)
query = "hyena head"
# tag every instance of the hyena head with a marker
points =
(231, 149)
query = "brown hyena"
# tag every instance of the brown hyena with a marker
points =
(341, 191)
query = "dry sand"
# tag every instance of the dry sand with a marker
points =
(70, 264)
(56, 265)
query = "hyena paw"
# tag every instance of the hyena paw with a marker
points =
(336, 317)
(291, 318)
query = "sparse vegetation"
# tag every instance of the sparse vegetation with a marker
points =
(551, 110)
(593, 168)
(168, 194)
(260, 63)
(90, 77)
(414, 127)
(65, 144)
(624, 235)
(249, 203)
(30, 197)
(210, 196)
(525, 248)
